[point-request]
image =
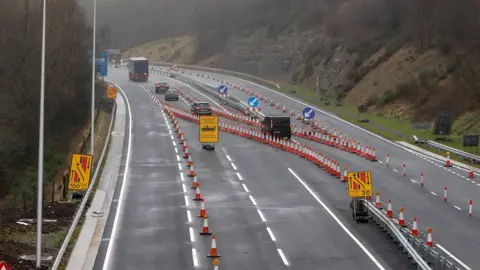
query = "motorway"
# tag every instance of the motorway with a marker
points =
(453, 229)
(268, 208)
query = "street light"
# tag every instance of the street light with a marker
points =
(92, 120)
(40, 144)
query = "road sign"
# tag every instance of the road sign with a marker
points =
(308, 113)
(359, 184)
(222, 89)
(209, 129)
(111, 91)
(80, 172)
(3, 266)
(253, 102)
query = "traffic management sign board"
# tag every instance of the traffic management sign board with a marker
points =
(80, 172)
(209, 129)
(359, 184)
(222, 89)
(111, 91)
(253, 102)
(308, 113)
(4, 266)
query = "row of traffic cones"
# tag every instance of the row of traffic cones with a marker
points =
(196, 186)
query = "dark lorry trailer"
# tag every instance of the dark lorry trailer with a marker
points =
(138, 69)
(277, 126)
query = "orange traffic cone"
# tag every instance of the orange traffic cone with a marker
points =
(203, 212)
(190, 161)
(345, 174)
(195, 183)
(213, 248)
(198, 196)
(389, 209)
(401, 219)
(429, 238)
(186, 155)
(191, 172)
(415, 227)
(377, 201)
(448, 163)
(471, 174)
(205, 230)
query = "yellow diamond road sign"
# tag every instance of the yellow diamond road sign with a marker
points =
(209, 129)
(359, 184)
(80, 172)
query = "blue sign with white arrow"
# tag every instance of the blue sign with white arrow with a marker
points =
(308, 113)
(253, 102)
(222, 89)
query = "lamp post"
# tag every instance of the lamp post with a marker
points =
(92, 120)
(40, 144)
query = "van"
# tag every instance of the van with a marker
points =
(277, 126)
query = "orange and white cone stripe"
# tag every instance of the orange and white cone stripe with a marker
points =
(429, 238)
(213, 249)
(205, 230)
(401, 218)
(415, 227)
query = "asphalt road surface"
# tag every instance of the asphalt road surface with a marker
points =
(452, 228)
(269, 209)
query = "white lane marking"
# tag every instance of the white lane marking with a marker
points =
(253, 200)
(245, 187)
(176, 150)
(455, 258)
(186, 201)
(345, 229)
(228, 157)
(189, 216)
(179, 166)
(413, 181)
(121, 197)
(195, 259)
(174, 143)
(272, 236)
(233, 165)
(395, 170)
(458, 208)
(284, 259)
(181, 177)
(381, 162)
(178, 158)
(433, 193)
(261, 215)
(239, 176)
(192, 234)
(184, 188)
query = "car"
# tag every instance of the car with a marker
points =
(171, 94)
(161, 87)
(201, 108)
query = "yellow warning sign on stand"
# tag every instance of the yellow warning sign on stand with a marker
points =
(209, 129)
(111, 91)
(359, 184)
(80, 172)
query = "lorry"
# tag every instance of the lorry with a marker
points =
(138, 69)
(114, 57)
(277, 126)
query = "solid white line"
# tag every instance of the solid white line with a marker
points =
(245, 187)
(239, 176)
(192, 236)
(189, 216)
(186, 201)
(124, 181)
(458, 208)
(455, 258)
(261, 215)
(179, 166)
(433, 193)
(284, 259)
(228, 157)
(233, 165)
(271, 234)
(195, 259)
(253, 200)
(347, 231)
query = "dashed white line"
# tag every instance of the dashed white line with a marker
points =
(174, 143)
(433, 193)
(179, 166)
(178, 158)
(284, 259)
(228, 157)
(458, 208)
(189, 216)
(261, 215)
(381, 162)
(455, 258)
(176, 150)
(345, 229)
(192, 234)
(195, 259)
(173, 138)
(239, 176)
(184, 188)
(272, 236)
(413, 181)
(186, 201)
(253, 200)
(245, 187)
(395, 170)
(233, 165)
(181, 177)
